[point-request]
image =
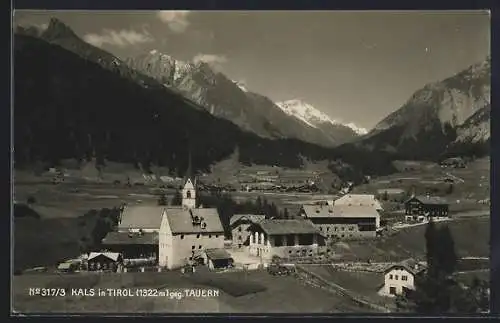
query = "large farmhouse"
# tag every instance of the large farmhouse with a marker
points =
(172, 235)
(284, 238)
(187, 231)
(343, 221)
(359, 200)
(429, 206)
(239, 224)
(400, 277)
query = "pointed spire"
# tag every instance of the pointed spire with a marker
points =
(189, 171)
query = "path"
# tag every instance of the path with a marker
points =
(461, 180)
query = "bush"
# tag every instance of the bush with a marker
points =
(31, 200)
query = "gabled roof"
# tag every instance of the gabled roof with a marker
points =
(411, 265)
(359, 200)
(337, 211)
(250, 217)
(432, 200)
(279, 226)
(180, 220)
(141, 217)
(217, 254)
(111, 255)
(125, 238)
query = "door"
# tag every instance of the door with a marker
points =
(392, 290)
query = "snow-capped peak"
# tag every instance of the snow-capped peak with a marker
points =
(312, 116)
(241, 85)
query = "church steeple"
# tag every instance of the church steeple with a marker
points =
(189, 189)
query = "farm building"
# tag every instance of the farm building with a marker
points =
(187, 231)
(429, 206)
(132, 245)
(343, 222)
(359, 200)
(239, 223)
(284, 238)
(390, 193)
(104, 261)
(400, 277)
(455, 162)
(141, 218)
(217, 258)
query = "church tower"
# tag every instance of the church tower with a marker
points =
(189, 189)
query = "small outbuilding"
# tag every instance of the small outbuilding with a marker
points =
(106, 261)
(218, 258)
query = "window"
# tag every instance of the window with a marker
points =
(182, 236)
(343, 228)
(239, 238)
(239, 229)
(343, 235)
(198, 236)
(351, 229)
(404, 277)
(396, 277)
(188, 194)
(392, 290)
(209, 236)
(193, 247)
(327, 229)
(390, 276)
(335, 229)
(199, 247)
(289, 251)
(216, 235)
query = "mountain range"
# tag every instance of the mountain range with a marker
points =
(228, 99)
(439, 118)
(73, 100)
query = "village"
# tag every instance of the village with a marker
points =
(158, 236)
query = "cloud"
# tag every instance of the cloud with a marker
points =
(120, 38)
(210, 59)
(175, 19)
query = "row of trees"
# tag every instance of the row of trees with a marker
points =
(438, 291)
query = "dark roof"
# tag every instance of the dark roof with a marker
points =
(411, 265)
(251, 217)
(425, 199)
(340, 211)
(125, 238)
(279, 226)
(180, 221)
(217, 253)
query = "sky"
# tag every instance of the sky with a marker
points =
(356, 66)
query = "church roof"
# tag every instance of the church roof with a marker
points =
(180, 220)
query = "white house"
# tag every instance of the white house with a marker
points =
(186, 232)
(285, 239)
(401, 276)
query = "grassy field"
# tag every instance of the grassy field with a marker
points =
(361, 284)
(471, 236)
(281, 294)
(470, 183)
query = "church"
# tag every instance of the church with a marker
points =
(190, 234)
(171, 235)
